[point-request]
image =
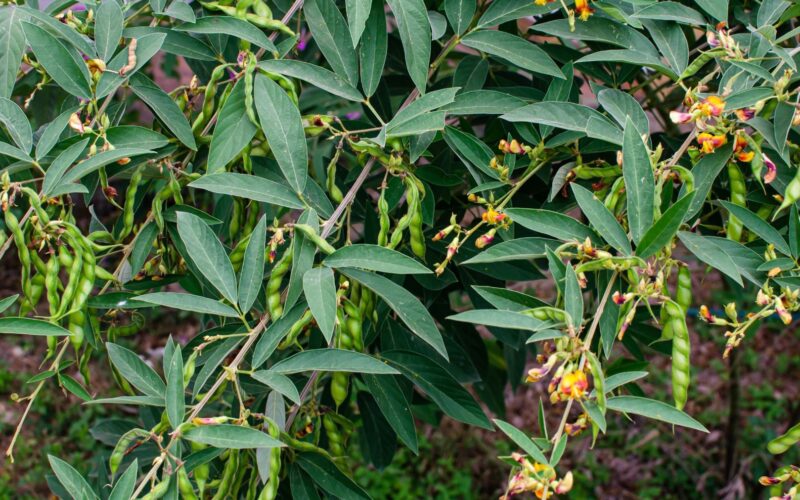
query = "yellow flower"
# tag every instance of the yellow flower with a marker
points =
(583, 9)
(574, 384)
(708, 143)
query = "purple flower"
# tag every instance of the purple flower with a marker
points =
(353, 115)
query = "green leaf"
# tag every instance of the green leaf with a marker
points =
(557, 225)
(136, 371)
(214, 359)
(275, 332)
(182, 11)
(522, 440)
(63, 64)
(14, 152)
(303, 252)
(440, 386)
(704, 173)
(74, 387)
(176, 404)
(415, 35)
(302, 486)
(407, 307)
(671, 11)
(234, 437)
(374, 258)
(483, 102)
(516, 50)
(233, 130)
(358, 12)
(709, 252)
(500, 319)
(319, 287)
(621, 105)
(59, 166)
(332, 360)
(516, 249)
(671, 41)
(8, 302)
(16, 124)
(599, 29)
(619, 379)
(208, 254)
(280, 120)
(394, 406)
(459, 14)
(315, 75)
(130, 401)
(573, 298)
(99, 161)
(373, 48)
(331, 33)
(770, 11)
(421, 107)
(568, 116)
(251, 275)
(126, 483)
(663, 231)
(470, 150)
(189, 302)
(759, 226)
(329, 477)
(58, 29)
(656, 410)
(70, 479)
(146, 47)
(280, 383)
(639, 181)
(52, 133)
(176, 42)
(602, 219)
(248, 186)
(12, 46)
(717, 8)
(29, 326)
(226, 25)
(164, 107)
(500, 11)
(107, 29)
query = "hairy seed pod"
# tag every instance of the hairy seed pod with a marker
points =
(128, 212)
(681, 353)
(383, 215)
(273, 288)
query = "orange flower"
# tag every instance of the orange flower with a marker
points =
(710, 142)
(583, 9)
(745, 156)
(712, 106)
(543, 2)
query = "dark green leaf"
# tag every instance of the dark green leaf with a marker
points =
(332, 360)
(639, 181)
(602, 219)
(663, 231)
(136, 371)
(375, 258)
(208, 254)
(233, 437)
(656, 410)
(415, 34)
(333, 37)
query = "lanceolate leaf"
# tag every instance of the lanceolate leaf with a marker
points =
(16, 124)
(602, 219)
(62, 63)
(407, 307)
(233, 130)
(281, 123)
(662, 232)
(71, 479)
(333, 38)
(319, 287)
(12, 46)
(710, 253)
(225, 25)
(208, 254)
(250, 187)
(373, 47)
(639, 181)
(332, 360)
(513, 49)
(315, 75)
(252, 274)
(656, 410)
(231, 436)
(375, 258)
(759, 226)
(29, 326)
(107, 29)
(164, 107)
(415, 33)
(189, 302)
(136, 371)
(560, 226)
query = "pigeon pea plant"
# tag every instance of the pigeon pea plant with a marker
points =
(338, 191)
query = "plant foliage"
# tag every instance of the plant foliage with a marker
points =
(349, 195)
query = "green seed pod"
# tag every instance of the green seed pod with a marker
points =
(700, 61)
(316, 239)
(128, 212)
(385, 222)
(785, 441)
(273, 288)
(681, 353)
(738, 197)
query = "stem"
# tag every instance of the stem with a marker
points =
(31, 399)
